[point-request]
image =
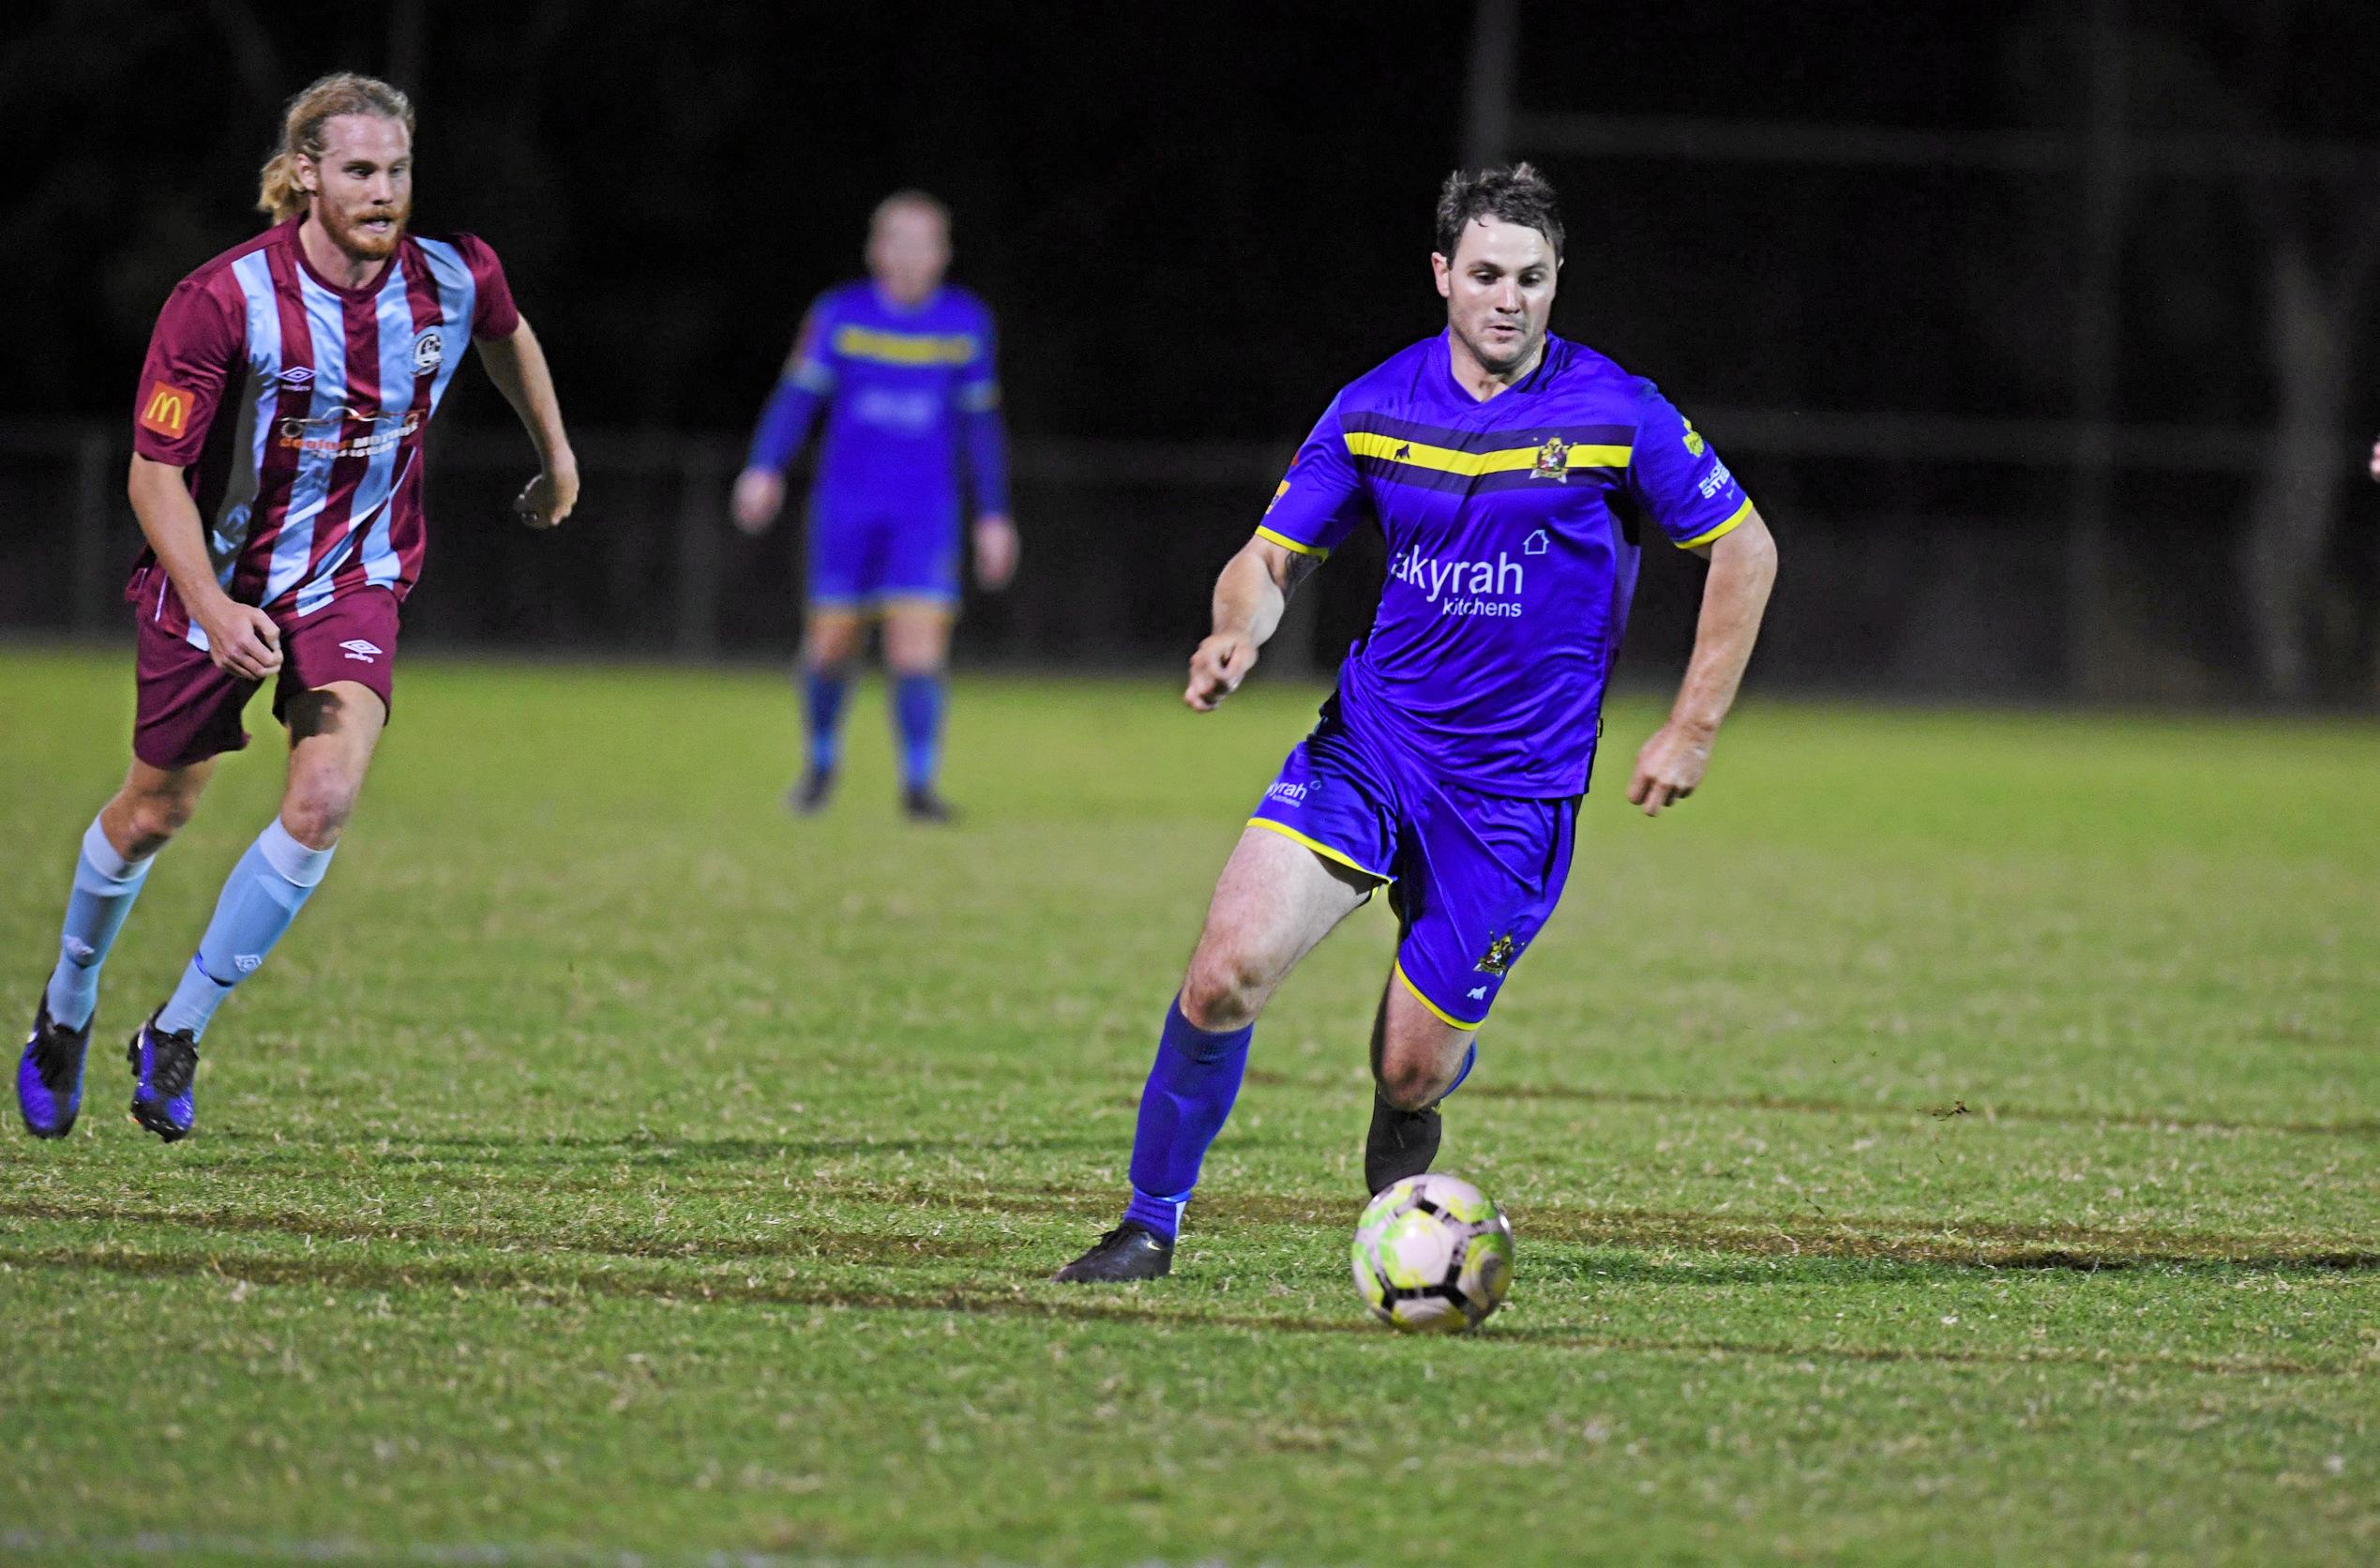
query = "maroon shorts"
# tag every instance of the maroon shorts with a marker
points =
(188, 710)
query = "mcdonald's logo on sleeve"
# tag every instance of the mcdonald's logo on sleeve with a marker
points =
(166, 409)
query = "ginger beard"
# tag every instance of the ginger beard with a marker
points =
(365, 213)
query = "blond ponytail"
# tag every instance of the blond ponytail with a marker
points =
(278, 195)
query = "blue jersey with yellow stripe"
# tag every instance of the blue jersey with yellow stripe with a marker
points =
(1511, 528)
(911, 396)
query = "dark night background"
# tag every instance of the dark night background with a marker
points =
(1195, 222)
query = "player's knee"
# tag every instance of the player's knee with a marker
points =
(155, 817)
(1224, 989)
(316, 808)
(1410, 1085)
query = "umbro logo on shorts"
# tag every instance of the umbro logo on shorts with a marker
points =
(359, 649)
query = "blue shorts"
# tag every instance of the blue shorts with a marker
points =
(861, 557)
(1472, 877)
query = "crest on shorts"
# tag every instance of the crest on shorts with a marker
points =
(430, 351)
(1498, 956)
(1552, 459)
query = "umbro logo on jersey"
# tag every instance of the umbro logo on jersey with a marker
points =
(359, 649)
(297, 378)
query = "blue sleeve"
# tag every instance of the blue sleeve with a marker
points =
(1321, 501)
(985, 432)
(1678, 479)
(807, 382)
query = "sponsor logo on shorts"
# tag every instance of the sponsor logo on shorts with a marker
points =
(167, 410)
(430, 351)
(1498, 956)
(360, 650)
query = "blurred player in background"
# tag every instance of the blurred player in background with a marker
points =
(1513, 473)
(903, 364)
(297, 372)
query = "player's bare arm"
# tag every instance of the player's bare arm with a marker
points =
(241, 637)
(1249, 598)
(1743, 566)
(996, 548)
(517, 364)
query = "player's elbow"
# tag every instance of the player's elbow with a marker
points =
(1748, 551)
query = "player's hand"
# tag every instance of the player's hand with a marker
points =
(1669, 767)
(1216, 670)
(759, 494)
(996, 550)
(242, 640)
(2375, 459)
(549, 498)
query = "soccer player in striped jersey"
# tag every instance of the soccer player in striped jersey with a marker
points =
(902, 362)
(1514, 473)
(298, 372)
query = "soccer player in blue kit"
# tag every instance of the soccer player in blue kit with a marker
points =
(1514, 473)
(903, 363)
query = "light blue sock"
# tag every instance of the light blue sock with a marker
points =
(917, 709)
(1187, 1099)
(263, 894)
(105, 884)
(822, 693)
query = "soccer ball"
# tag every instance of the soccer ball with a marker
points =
(1433, 1253)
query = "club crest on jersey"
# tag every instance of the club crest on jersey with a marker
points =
(1552, 461)
(430, 351)
(1498, 956)
(1695, 442)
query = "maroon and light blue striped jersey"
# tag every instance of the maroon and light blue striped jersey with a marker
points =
(330, 392)
(1512, 528)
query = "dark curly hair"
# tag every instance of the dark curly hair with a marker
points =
(1515, 195)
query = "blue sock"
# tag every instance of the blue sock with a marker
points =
(105, 884)
(822, 693)
(1190, 1090)
(917, 707)
(260, 897)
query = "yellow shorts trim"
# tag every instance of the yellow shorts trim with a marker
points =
(1287, 543)
(1443, 1016)
(1316, 846)
(1724, 529)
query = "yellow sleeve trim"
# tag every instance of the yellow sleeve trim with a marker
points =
(1287, 543)
(1725, 528)
(1442, 1014)
(1323, 850)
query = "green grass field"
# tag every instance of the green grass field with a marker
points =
(1949, 1138)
